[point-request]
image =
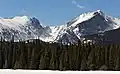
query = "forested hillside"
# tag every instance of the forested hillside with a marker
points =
(38, 55)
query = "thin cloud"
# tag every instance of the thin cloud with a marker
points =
(78, 5)
(74, 2)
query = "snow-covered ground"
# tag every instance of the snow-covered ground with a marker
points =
(55, 72)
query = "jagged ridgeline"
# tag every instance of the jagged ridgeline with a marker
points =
(38, 55)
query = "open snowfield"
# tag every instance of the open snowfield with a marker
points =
(55, 72)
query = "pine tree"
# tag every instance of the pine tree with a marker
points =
(1, 59)
(5, 66)
(44, 62)
(1, 55)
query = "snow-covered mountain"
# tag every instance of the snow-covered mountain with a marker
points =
(25, 28)
(22, 28)
(86, 24)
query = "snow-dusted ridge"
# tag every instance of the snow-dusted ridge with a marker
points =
(24, 27)
(84, 17)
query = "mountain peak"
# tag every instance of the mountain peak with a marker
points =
(98, 12)
(84, 17)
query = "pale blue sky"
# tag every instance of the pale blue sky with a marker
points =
(55, 12)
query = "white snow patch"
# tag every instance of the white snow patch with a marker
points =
(83, 17)
(14, 23)
(21, 19)
(55, 31)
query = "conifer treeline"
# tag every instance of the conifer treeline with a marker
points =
(38, 55)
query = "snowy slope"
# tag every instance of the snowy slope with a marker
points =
(24, 27)
(21, 27)
(84, 17)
